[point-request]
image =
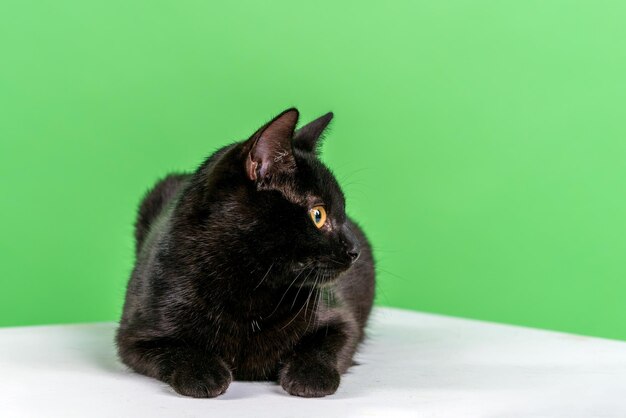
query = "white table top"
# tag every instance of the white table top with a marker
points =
(414, 365)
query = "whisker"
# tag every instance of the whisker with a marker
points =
(299, 310)
(334, 261)
(265, 276)
(390, 273)
(311, 316)
(317, 306)
(307, 302)
(300, 288)
(283, 296)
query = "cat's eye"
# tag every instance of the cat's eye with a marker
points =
(318, 215)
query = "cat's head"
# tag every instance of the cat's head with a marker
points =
(271, 205)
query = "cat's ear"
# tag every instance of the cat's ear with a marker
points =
(269, 149)
(307, 137)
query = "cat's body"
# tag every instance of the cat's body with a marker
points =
(231, 281)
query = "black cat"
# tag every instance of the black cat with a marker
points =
(250, 269)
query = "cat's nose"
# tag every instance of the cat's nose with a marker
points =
(350, 244)
(353, 253)
(350, 253)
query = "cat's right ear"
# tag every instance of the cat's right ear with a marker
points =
(269, 149)
(307, 138)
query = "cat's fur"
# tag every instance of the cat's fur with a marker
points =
(234, 280)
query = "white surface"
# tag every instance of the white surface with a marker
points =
(414, 365)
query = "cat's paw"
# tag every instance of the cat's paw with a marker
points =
(202, 381)
(309, 379)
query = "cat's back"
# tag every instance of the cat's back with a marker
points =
(162, 194)
(155, 200)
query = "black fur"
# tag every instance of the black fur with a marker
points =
(234, 280)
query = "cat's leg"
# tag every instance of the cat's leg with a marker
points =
(190, 371)
(319, 359)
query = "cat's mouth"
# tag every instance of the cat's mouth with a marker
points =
(323, 275)
(319, 273)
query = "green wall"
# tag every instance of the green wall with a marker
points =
(482, 144)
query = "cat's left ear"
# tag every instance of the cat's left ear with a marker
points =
(269, 149)
(307, 137)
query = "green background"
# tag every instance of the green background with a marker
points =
(482, 144)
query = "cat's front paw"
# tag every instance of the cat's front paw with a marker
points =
(203, 380)
(309, 379)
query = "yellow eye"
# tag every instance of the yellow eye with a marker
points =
(318, 215)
